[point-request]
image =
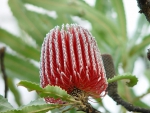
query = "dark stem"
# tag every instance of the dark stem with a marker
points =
(148, 54)
(2, 53)
(144, 6)
(127, 105)
(85, 106)
(89, 109)
(112, 87)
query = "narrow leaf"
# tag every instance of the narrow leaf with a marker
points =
(119, 8)
(142, 25)
(138, 48)
(18, 45)
(21, 68)
(4, 105)
(24, 20)
(14, 90)
(103, 6)
(66, 7)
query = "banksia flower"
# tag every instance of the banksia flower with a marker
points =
(70, 58)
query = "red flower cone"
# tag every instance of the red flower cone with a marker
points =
(70, 58)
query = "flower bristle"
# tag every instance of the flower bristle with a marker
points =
(70, 58)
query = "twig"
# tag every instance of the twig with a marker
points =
(2, 67)
(144, 6)
(112, 87)
(127, 105)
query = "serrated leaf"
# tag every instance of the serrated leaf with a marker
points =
(30, 86)
(133, 79)
(48, 91)
(39, 101)
(35, 108)
(4, 104)
(56, 92)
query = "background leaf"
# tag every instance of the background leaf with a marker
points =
(14, 90)
(4, 105)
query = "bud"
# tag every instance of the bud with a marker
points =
(70, 58)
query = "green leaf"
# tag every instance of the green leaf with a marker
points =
(103, 6)
(18, 45)
(25, 22)
(30, 86)
(138, 48)
(35, 108)
(133, 80)
(77, 8)
(34, 24)
(147, 73)
(39, 101)
(142, 25)
(56, 92)
(63, 19)
(4, 105)
(118, 54)
(14, 90)
(40, 24)
(21, 68)
(49, 91)
(119, 8)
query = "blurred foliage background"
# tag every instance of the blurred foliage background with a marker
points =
(22, 59)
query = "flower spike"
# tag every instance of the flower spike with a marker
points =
(70, 58)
